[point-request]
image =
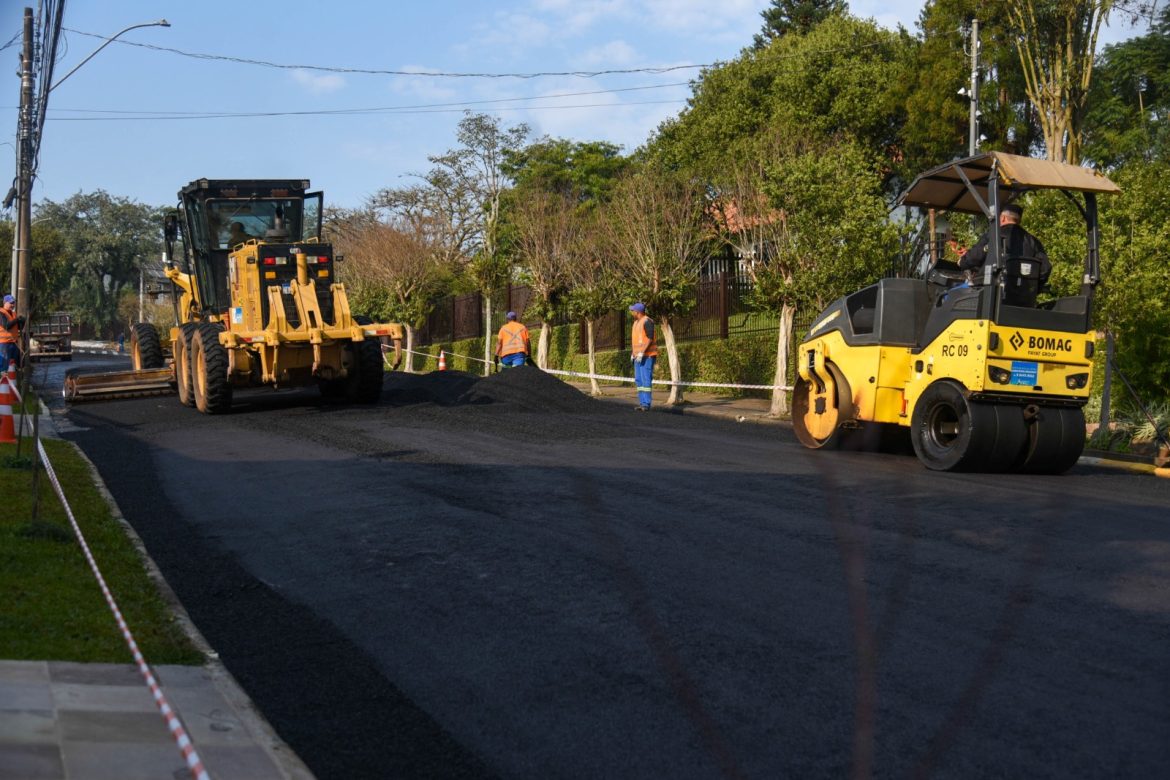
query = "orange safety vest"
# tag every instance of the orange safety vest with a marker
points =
(513, 338)
(9, 333)
(645, 345)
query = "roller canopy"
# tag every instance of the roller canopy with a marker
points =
(943, 187)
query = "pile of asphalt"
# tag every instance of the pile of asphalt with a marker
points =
(438, 387)
(527, 388)
(531, 389)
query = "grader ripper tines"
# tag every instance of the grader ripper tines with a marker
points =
(984, 377)
(256, 304)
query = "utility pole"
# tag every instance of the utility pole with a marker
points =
(973, 140)
(24, 171)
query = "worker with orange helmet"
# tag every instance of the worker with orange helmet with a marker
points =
(643, 352)
(512, 346)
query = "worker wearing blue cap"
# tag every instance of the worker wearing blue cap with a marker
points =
(512, 345)
(10, 326)
(643, 353)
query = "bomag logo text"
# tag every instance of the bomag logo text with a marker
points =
(1050, 344)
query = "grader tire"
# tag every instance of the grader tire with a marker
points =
(209, 371)
(183, 381)
(1056, 439)
(817, 414)
(145, 347)
(365, 386)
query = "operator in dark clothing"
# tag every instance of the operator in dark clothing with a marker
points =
(1017, 242)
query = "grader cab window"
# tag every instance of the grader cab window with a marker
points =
(251, 219)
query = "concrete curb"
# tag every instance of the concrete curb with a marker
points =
(252, 718)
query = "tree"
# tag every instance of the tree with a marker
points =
(586, 169)
(845, 77)
(593, 282)
(546, 226)
(794, 16)
(937, 116)
(811, 224)
(1128, 114)
(658, 246)
(49, 267)
(107, 239)
(1057, 45)
(393, 270)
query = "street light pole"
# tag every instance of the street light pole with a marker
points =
(22, 236)
(111, 39)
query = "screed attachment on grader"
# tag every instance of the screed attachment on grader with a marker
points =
(80, 386)
(984, 374)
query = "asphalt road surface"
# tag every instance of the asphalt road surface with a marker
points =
(519, 581)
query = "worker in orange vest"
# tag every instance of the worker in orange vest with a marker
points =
(512, 343)
(644, 351)
(10, 326)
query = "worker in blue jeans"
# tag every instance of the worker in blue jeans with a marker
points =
(643, 354)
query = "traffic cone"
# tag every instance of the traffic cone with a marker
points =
(7, 426)
(442, 360)
(12, 372)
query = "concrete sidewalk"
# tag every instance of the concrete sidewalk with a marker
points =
(99, 721)
(72, 721)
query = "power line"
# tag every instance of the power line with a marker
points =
(371, 110)
(343, 112)
(388, 72)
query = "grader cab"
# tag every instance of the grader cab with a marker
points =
(984, 378)
(256, 300)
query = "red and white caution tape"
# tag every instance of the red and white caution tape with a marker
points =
(668, 382)
(449, 354)
(610, 378)
(174, 725)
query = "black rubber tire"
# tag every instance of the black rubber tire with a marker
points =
(364, 386)
(145, 346)
(842, 408)
(183, 384)
(209, 371)
(1056, 439)
(947, 429)
(1002, 434)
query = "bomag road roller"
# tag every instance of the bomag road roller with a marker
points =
(984, 378)
(256, 303)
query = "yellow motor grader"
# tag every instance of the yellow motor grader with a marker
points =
(984, 378)
(256, 304)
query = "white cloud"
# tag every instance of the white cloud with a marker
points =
(429, 90)
(610, 54)
(318, 84)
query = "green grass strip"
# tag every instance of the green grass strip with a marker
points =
(52, 607)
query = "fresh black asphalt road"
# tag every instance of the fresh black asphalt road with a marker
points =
(522, 582)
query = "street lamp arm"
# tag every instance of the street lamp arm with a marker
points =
(111, 39)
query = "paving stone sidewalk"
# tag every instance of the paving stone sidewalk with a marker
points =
(98, 721)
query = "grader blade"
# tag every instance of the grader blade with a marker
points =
(107, 385)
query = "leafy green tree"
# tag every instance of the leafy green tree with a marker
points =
(844, 77)
(1057, 44)
(810, 222)
(1128, 114)
(1131, 300)
(585, 169)
(546, 233)
(106, 241)
(658, 245)
(49, 269)
(794, 16)
(594, 289)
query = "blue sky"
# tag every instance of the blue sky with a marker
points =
(352, 155)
